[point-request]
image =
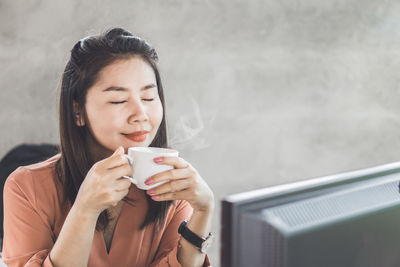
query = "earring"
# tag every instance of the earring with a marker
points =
(78, 119)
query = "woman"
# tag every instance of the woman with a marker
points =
(76, 209)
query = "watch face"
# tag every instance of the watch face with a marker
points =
(206, 244)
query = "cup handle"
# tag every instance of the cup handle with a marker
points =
(130, 159)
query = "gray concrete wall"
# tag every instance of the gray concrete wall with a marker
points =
(259, 92)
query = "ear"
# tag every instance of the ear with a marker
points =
(79, 121)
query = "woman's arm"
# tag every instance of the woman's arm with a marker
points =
(200, 224)
(185, 183)
(102, 188)
(73, 245)
(167, 251)
(28, 237)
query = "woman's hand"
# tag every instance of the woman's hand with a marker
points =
(104, 186)
(184, 182)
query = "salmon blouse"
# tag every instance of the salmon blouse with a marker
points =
(34, 215)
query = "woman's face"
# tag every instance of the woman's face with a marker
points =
(123, 101)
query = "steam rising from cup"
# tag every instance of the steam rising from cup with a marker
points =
(189, 132)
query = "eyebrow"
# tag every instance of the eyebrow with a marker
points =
(123, 89)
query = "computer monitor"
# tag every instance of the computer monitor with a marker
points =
(346, 220)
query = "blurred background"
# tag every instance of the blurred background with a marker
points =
(258, 92)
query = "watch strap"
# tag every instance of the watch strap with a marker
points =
(189, 235)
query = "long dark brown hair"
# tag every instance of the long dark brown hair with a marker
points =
(88, 57)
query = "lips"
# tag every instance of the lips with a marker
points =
(139, 136)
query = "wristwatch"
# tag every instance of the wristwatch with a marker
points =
(202, 243)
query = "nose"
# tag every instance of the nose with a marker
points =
(139, 113)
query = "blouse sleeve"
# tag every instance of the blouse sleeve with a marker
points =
(167, 252)
(27, 238)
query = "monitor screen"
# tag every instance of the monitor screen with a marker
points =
(348, 219)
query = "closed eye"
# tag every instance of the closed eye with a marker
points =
(121, 102)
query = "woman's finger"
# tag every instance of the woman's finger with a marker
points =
(177, 162)
(115, 160)
(171, 186)
(112, 162)
(118, 172)
(173, 174)
(121, 194)
(122, 184)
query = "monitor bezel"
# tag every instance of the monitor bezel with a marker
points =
(234, 205)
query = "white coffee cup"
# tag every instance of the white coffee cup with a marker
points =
(143, 165)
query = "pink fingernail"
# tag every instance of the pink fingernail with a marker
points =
(158, 160)
(155, 197)
(150, 192)
(149, 181)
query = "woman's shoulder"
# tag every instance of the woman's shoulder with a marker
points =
(35, 178)
(41, 170)
(36, 188)
(50, 163)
